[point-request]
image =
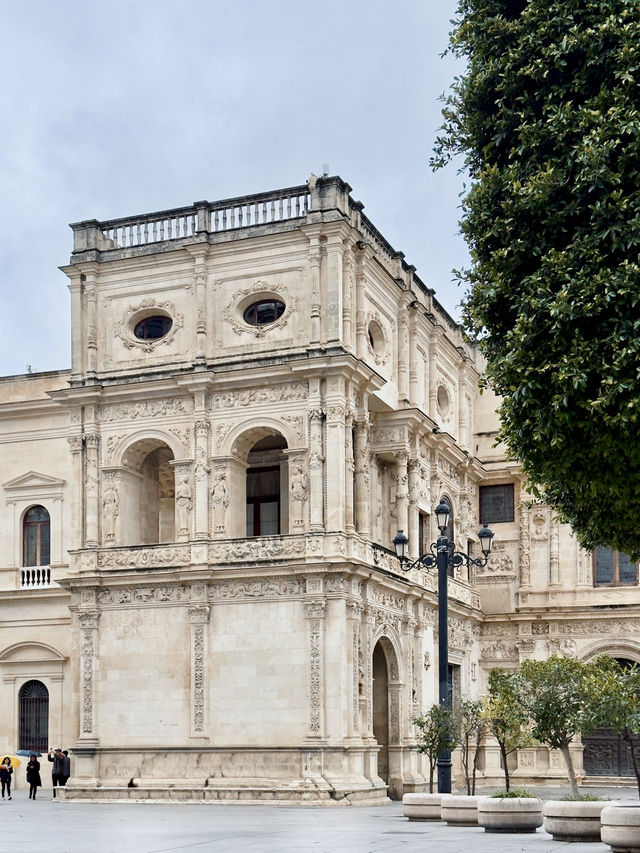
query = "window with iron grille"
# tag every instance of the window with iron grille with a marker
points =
(496, 504)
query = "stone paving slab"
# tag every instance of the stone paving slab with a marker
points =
(71, 827)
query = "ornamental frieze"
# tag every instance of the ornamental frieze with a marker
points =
(144, 595)
(144, 558)
(388, 599)
(264, 548)
(272, 588)
(499, 629)
(146, 409)
(500, 651)
(605, 626)
(260, 396)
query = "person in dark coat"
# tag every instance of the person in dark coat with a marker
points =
(67, 767)
(33, 776)
(5, 775)
(57, 771)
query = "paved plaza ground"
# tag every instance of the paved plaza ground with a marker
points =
(58, 827)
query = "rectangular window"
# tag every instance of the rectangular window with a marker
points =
(613, 568)
(263, 501)
(496, 504)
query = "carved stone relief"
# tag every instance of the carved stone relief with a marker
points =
(260, 396)
(240, 301)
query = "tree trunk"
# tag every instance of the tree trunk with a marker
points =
(572, 773)
(465, 763)
(431, 766)
(626, 734)
(504, 765)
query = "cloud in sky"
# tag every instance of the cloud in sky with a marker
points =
(140, 105)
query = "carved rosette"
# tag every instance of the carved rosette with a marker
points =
(88, 621)
(198, 618)
(315, 614)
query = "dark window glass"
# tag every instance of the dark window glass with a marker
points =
(36, 537)
(496, 504)
(152, 328)
(263, 501)
(263, 312)
(613, 568)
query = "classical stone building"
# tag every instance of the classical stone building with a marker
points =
(196, 569)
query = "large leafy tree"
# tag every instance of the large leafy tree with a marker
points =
(547, 119)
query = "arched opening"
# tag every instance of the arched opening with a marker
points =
(266, 480)
(147, 483)
(33, 701)
(605, 752)
(381, 709)
(36, 537)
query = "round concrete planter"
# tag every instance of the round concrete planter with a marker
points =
(460, 810)
(621, 827)
(423, 806)
(573, 820)
(510, 814)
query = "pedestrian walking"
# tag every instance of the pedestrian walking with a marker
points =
(6, 771)
(33, 776)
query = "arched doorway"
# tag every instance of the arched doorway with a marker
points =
(381, 709)
(605, 752)
(33, 701)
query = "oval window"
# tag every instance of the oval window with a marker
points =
(152, 328)
(263, 312)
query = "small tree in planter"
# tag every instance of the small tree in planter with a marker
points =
(615, 703)
(555, 694)
(506, 716)
(471, 728)
(438, 731)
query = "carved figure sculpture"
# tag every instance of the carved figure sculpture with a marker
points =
(220, 500)
(183, 505)
(298, 489)
(110, 512)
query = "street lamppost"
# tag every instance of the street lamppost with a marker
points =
(442, 555)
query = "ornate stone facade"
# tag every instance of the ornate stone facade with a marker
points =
(261, 394)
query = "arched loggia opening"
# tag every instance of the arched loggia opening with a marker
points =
(147, 494)
(33, 701)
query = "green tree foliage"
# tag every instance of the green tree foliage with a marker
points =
(547, 118)
(470, 729)
(555, 693)
(615, 703)
(506, 716)
(438, 731)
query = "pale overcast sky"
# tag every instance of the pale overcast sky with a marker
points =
(112, 109)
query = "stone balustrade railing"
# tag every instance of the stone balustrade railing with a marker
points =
(187, 222)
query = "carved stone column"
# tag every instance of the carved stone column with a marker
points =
(414, 496)
(199, 619)
(91, 489)
(88, 621)
(349, 264)
(334, 283)
(554, 555)
(201, 480)
(92, 324)
(354, 622)
(403, 356)
(77, 348)
(315, 615)
(316, 471)
(402, 490)
(433, 390)
(75, 485)
(200, 274)
(525, 547)
(361, 322)
(335, 462)
(316, 304)
(361, 465)
(349, 475)
(413, 355)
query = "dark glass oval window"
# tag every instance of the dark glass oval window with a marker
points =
(152, 328)
(263, 312)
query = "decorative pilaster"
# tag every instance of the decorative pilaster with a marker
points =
(76, 480)
(525, 547)
(361, 467)
(199, 619)
(201, 479)
(315, 615)
(414, 496)
(77, 350)
(354, 621)
(316, 303)
(316, 471)
(200, 279)
(335, 463)
(88, 621)
(349, 267)
(92, 322)
(349, 474)
(413, 355)
(361, 320)
(403, 356)
(554, 555)
(402, 490)
(91, 489)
